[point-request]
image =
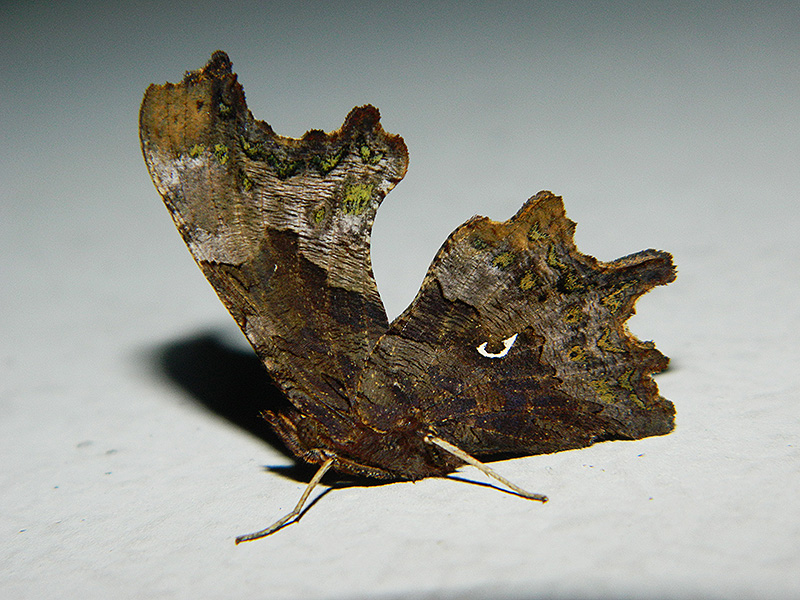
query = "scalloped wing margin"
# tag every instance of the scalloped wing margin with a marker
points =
(517, 342)
(279, 226)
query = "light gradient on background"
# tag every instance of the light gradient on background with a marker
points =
(666, 125)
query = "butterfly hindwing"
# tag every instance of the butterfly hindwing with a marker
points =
(516, 341)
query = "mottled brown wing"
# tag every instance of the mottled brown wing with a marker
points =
(279, 226)
(517, 342)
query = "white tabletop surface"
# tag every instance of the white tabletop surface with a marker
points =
(131, 452)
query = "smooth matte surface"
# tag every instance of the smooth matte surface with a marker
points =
(128, 468)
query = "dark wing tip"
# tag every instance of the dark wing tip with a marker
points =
(218, 66)
(219, 62)
(362, 118)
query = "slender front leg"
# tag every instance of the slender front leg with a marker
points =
(295, 512)
(456, 451)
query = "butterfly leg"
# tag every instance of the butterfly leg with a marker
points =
(295, 512)
(456, 451)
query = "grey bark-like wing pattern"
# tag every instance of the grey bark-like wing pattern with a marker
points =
(279, 226)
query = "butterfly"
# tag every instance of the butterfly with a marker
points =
(515, 344)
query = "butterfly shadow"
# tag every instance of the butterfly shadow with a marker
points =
(233, 384)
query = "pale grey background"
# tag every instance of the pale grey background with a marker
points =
(666, 125)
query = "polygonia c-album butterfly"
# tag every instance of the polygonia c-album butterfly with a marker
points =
(515, 343)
